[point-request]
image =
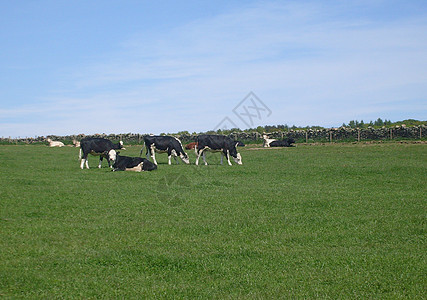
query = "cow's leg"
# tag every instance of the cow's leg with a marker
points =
(228, 157)
(174, 157)
(197, 158)
(86, 161)
(169, 156)
(153, 155)
(197, 155)
(100, 162)
(200, 153)
(82, 163)
(204, 158)
(147, 153)
(173, 153)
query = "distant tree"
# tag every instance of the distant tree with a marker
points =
(185, 132)
(379, 122)
(260, 129)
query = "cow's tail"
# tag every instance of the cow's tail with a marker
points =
(80, 154)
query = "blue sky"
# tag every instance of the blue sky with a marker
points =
(71, 67)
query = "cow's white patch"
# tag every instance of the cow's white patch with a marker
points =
(137, 168)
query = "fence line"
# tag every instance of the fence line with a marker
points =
(341, 134)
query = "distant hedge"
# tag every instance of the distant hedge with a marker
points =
(342, 134)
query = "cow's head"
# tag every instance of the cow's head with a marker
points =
(185, 158)
(121, 145)
(148, 165)
(111, 155)
(238, 159)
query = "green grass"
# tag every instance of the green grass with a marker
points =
(331, 221)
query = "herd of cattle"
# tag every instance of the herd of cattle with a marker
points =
(105, 148)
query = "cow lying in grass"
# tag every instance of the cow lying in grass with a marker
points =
(54, 143)
(137, 164)
(285, 143)
(267, 141)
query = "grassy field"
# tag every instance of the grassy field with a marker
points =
(329, 221)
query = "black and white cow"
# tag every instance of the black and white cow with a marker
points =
(217, 143)
(164, 144)
(98, 147)
(137, 164)
(284, 143)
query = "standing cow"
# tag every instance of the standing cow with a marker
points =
(217, 143)
(164, 144)
(98, 147)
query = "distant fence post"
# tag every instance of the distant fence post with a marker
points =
(421, 132)
(358, 134)
(391, 133)
(330, 136)
(306, 136)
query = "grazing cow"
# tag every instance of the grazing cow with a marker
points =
(164, 144)
(137, 164)
(54, 143)
(190, 146)
(267, 141)
(98, 147)
(285, 143)
(217, 143)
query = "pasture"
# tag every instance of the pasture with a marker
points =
(328, 221)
